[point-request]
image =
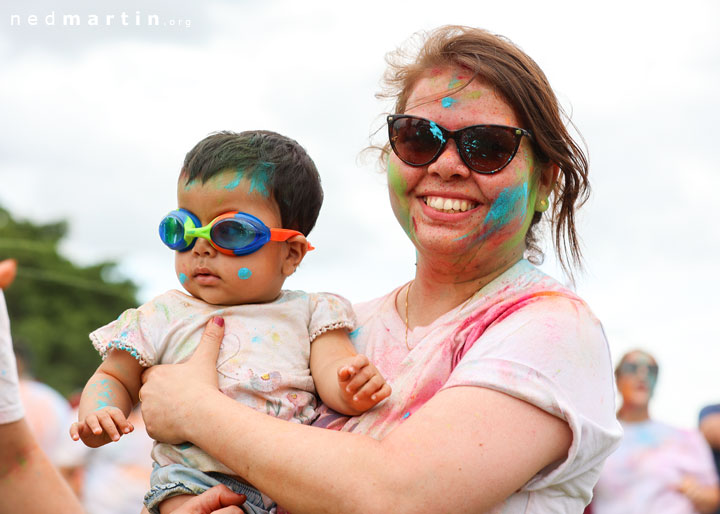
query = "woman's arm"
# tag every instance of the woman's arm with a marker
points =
(459, 436)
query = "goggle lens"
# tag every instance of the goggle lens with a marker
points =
(232, 233)
(172, 231)
(483, 148)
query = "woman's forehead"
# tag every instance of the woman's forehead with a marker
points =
(639, 357)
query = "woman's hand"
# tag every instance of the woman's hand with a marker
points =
(217, 500)
(170, 392)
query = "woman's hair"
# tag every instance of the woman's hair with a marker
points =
(516, 77)
(276, 166)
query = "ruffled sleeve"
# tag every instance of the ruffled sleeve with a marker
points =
(141, 331)
(329, 312)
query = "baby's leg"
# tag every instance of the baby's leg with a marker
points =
(169, 505)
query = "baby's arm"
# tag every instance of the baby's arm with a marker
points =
(346, 382)
(107, 400)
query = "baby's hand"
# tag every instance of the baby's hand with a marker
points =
(101, 426)
(361, 384)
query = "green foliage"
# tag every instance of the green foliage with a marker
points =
(54, 304)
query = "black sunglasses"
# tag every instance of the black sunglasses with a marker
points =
(483, 148)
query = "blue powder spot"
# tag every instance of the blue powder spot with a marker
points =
(182, 277)
(436, 131)
(448, 102)
(244, 273)
(406, 415)
(453, 83)
(101, 404)
(105, 394)
(236, 181)
(104, 381)
(258, 181)
(355, 333)
(256, 339)
(507, 206)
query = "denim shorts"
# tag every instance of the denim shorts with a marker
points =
(176, 479)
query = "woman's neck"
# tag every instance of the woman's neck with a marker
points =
(633, 414)
(436, 291)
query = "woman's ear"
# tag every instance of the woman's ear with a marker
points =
(546, 184)
(297, 247)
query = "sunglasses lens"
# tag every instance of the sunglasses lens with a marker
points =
(416, 141)
(232, 234)
(172, 232)
(488, 149)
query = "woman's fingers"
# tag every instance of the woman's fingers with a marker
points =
(209, 348)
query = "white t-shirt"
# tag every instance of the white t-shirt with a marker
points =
(524, 335)
(643, 474)
(11, 408)
(264, 359)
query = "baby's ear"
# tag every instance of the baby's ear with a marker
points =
(297, 248)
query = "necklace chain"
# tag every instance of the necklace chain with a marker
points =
(407, 310)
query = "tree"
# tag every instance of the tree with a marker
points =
(54, 304)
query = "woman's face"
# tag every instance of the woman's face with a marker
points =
(488, 230)
(636, 379)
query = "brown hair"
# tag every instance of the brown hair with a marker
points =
(496, 60)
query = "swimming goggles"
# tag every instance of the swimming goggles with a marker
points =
(483, 148)
(232, 233)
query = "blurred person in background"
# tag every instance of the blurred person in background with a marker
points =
(710, 428)
(657, 468)
(47, 412)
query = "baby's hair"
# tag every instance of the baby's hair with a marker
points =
(278, 165)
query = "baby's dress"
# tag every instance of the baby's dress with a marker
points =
(264, 359)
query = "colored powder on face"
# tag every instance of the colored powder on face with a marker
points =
(448, 102)
(235, 182)
(473, 95)
(453, 83)
(189, 185)
(182, 277)
(256, 339)
(406, 415)
(398, 187)
(353, 335)
(260, 176)
(510, 204)
(435, 130)
(244, 273)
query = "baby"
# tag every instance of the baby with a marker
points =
(280, 347)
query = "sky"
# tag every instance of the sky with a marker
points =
(97, 118)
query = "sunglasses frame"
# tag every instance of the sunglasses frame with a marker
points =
(194, 229)
(455, 135)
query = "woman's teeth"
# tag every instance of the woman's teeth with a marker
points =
(448, 204)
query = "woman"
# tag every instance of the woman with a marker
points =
(657, 468)
(502, 381)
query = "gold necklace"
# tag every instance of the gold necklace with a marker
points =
(407, 310)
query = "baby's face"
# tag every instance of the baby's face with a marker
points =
(227, 279)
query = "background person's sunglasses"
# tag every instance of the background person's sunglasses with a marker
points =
(483, 148)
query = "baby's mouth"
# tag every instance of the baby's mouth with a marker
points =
(449, 205)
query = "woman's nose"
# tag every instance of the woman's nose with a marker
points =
(449, 165)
